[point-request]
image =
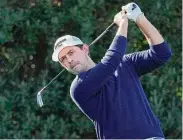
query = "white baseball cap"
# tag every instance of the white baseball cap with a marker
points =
(63, 42)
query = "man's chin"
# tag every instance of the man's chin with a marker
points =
(74, 72)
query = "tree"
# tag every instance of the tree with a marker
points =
(28, 32)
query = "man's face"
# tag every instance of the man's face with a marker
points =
(74, 59)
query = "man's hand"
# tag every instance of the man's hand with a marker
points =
(150, 32)
(122, 21)
(120, 18)
(133, 11)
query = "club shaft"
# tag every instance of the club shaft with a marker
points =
(106, 30)
(53, 79)
(39, 98)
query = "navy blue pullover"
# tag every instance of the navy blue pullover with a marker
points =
(111, 95)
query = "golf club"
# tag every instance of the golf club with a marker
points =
(39, 98)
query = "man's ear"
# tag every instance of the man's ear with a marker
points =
(85, 47)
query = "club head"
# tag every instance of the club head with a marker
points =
(39, 98)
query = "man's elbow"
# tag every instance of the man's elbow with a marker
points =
(169, 55)
(166, 53)
(166, 57)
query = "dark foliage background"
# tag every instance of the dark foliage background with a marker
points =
(28, 30)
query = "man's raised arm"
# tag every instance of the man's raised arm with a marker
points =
(159, 52)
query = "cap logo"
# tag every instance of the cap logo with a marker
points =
(59, 44)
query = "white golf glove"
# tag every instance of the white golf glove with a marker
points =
(133, 11)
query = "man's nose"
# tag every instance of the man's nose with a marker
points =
(69, 59)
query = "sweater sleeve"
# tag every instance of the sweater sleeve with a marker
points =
(91, 81)
(148, 60)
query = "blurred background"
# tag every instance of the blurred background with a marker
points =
(28, 30)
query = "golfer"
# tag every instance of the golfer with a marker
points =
(109, 93)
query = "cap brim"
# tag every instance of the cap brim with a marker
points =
(57, 51)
